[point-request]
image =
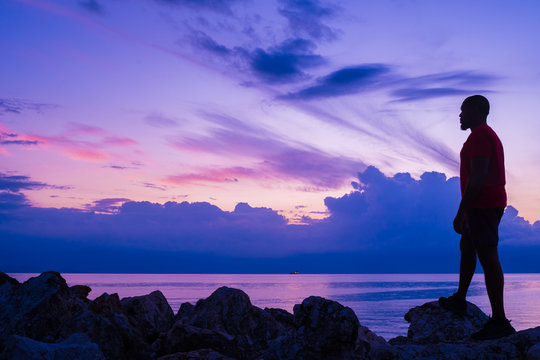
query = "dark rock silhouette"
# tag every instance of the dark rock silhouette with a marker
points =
(44, 318)
(432, 324)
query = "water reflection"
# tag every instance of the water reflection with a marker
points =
(379, 300)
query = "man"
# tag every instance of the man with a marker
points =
(483, 199)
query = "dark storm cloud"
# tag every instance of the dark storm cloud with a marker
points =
(306, 17)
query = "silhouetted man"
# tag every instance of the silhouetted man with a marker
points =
(483, 199)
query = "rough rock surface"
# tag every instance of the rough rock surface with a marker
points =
(151, 312)
(324, 329)
(429, 323)
(435, 333)
(227, 322)
(76, 347)
(534, 352)
(204, 354)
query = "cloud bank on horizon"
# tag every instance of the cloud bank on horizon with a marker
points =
(395, 218)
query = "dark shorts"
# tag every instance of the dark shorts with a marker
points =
(482, 227)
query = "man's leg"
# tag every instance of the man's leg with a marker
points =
(467, 265)
(493, 274)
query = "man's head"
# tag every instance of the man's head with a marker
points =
(474, 112)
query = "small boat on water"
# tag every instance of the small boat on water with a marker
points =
(296, 272)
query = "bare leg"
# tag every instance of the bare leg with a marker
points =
(467, 265)
(494, 277)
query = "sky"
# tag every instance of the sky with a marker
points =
(257, 136)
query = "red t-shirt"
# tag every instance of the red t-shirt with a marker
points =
(484, 142)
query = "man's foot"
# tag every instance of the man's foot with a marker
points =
(454, 303)
(494, 329)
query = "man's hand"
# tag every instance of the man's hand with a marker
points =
(459, 222)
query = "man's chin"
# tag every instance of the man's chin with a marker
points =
(464, 127)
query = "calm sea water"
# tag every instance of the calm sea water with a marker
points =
(379, 300)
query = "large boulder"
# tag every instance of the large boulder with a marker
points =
(203, 354)
(106, 325)
(324, 329)
(150, 313)
(430, 323)
(435, 333)
(37, 308)
(45, 309)
(77, 346)
(226, 321)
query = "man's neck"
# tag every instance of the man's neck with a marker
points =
(477, 125)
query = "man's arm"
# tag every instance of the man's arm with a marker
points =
(479, 170)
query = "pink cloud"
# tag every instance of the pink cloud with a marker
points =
(224, 175)
(95, 150)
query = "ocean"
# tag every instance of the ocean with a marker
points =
(379, 300)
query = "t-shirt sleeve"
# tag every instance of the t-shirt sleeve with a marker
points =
(480, 145)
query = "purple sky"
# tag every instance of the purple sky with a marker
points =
(273, 105)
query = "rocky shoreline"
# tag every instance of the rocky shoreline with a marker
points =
(44, 318)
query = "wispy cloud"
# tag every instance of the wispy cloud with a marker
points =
(307, 18)
(86, 142)
(15, 139)
(18, 106)
(16, 183)
(154, 186)
(93, 6)
(282, 63)
(270, 157)
(223, 175)
(160, 121)
(345, 81)
(218, 6)
(370, 77)
(107, 205)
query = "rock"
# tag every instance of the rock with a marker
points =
(324, 329)
(38, 308)
(203, 354)
(284, 317)
(185, 338)
(435, 334)
(80, 291)
(534, 352)
(431, 324)
(105, 323)
(366, 340)
(150, 313)
(226, 321)
(77, 346)
(6, 279)
(185, 311)
(46, 310)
